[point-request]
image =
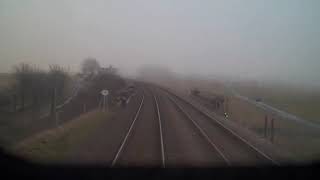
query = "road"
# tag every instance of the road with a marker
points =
(158, 129)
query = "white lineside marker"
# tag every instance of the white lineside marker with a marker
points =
(104, 92)
(105, 100)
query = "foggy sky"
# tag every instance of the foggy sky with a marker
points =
(261, 39)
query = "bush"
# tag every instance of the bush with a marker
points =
(195, 92)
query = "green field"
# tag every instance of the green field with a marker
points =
(300, 102)
(290, 136)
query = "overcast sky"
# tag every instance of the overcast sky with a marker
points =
(266, 39)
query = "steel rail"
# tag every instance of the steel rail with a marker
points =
(203, 133)
(161, 133)
(124, 141)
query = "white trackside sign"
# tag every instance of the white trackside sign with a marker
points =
(104, 92)
(104, 99)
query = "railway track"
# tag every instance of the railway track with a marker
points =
(157, 138)
(124, 141)
(205, 121)
(203, 133)
(134, 135)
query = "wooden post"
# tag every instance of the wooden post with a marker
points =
(107, 103)
(104, 104)
(272, 130)
(22, 100)
(53, 103)
(99, 103)
(225, 104)
(84, 108)
(57, 119)
(265, 126)
(14, 102)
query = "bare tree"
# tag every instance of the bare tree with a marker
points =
(57, 79)
(39, 85)
(90, 66)
(23, 76)
(35, 84)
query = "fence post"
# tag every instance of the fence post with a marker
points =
(265, 126)
(107, 103)
(104, 104)
(272, 130)
(14, 102)
(84, 108)
(53, 104)
(226, 105)
(57, 119)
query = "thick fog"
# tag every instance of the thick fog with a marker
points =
(257, 39)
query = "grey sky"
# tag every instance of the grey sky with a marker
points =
(267, 39)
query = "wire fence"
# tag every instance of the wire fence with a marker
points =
(301, 139)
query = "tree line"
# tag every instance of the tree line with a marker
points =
(32, 86)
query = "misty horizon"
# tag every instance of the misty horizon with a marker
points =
(266, 41)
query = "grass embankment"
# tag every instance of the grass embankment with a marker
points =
(55, 145)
